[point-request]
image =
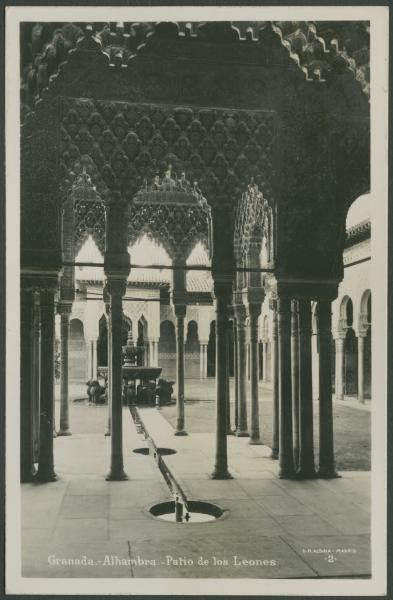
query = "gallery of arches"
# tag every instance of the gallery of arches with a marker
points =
(196, 305)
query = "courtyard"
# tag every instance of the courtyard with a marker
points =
(84, 526)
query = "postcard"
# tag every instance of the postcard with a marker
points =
(196, 264)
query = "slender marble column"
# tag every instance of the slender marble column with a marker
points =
(65, 311)
(36, 376)
(339, 368)
(205, 362)
(254, 312)
(180, 312)
(109, 375)
(223, 294)
(306, 468)
(326, 445)
(228, 380)
(94, 358)
(236, 365)
(201, 360)
(264, 361)
(295, 379)
(116, 289)
(285, 389)
(361, 369)
(275, 385)
(46, 470)
(27, 468)
(242, 429)
(154, 353)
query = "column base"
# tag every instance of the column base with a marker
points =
(28, 475)
(327, 473)
(180, 432)
(45, 475)
(242, 433)
(231, 432)
(117, 475)
(65, 432)
(287, 472)
(255, 442)
(221, 475)
(306, 474)
(274, 455)
(107, 433)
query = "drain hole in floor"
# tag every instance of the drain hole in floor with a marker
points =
(198, 512)
(144, 451)
(165, 451)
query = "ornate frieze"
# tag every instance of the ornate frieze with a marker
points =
(320, 50)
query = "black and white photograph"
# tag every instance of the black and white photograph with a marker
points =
(196, 300)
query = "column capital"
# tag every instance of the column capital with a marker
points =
(180, 310)
(64, 308)
(40, 282)
(179, 297)
(223, 288)
(240, 313)
(116, 286)
(254, 296)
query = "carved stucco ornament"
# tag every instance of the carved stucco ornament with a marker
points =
(172, 211)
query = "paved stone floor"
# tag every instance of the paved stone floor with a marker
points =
(300, 529)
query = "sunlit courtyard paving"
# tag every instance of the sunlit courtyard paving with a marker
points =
(85, 526)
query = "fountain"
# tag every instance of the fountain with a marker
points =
(145, 391)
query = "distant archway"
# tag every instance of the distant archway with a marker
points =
(77, 359)
(167, 350)
(211, 351)
(192, 358)
(365, 325)
(350, 350)
(102, 345)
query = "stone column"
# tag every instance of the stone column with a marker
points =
(306, 468)
(36, 376)
(180, 313)
(295, 380)
(222, 290)
(264, 361)
(285, 389)
(116, 289)
(275, 383)
(46, 470)
(326, 446)
(89, 361)
(64, 310)
(339, 368)
(242, 428)
(109, 373)
(228, 379)
(94, 357)
(361, 368)
(254, 311)
(27, 468)
(236, 373)
(154, 353)
(201, 361)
